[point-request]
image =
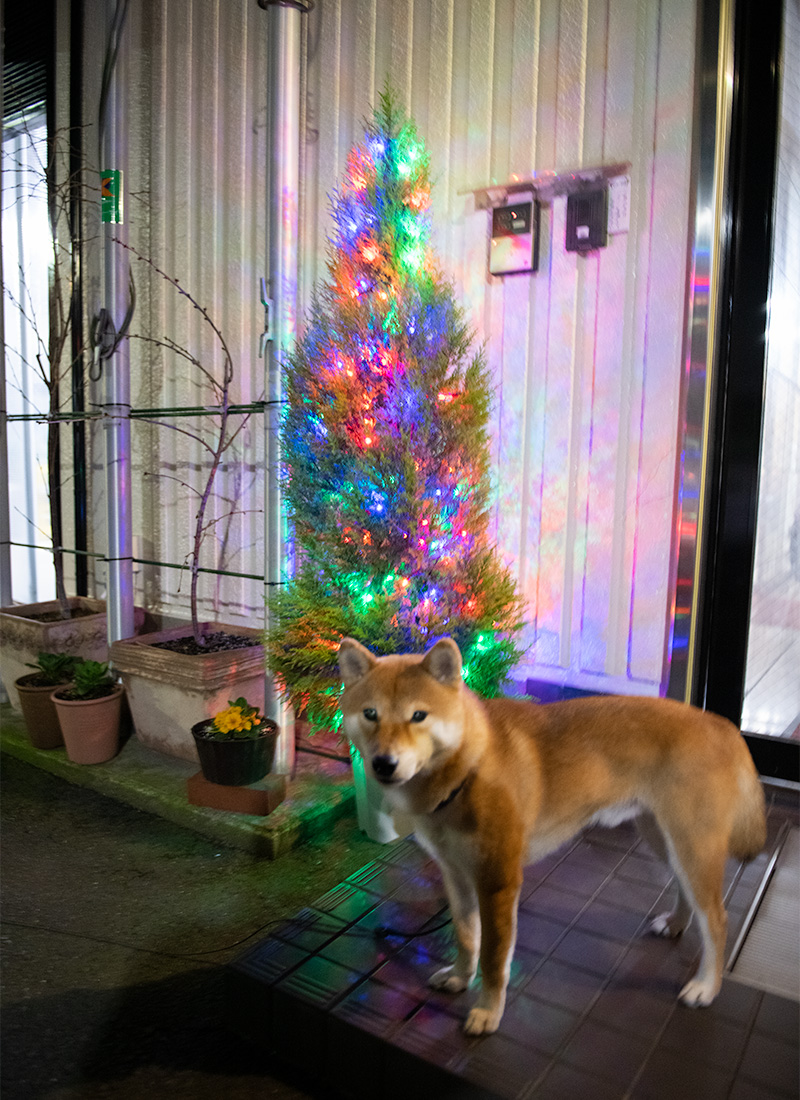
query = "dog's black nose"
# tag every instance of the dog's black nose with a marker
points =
(384, 766)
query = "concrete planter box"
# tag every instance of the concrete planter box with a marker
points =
(23, 637)
(169, 692)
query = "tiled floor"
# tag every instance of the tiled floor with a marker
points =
(592, 1011)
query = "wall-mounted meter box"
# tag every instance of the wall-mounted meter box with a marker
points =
(587, 220)
(515, 235)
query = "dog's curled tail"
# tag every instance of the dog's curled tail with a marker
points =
(749, 832)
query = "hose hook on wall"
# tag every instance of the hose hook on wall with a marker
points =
(104, 336)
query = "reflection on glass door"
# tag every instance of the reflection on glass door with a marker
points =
(27, 254)
(772, 682)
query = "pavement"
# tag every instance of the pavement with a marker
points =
(118, 917)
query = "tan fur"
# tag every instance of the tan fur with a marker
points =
(528, 777)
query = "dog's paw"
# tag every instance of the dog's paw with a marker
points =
(667, 925)
(698, 993)
(482, 1021)
(448, 981)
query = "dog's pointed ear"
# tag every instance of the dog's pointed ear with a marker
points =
(443, 662)
(354, 661)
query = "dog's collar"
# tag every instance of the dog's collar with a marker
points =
(453, 794)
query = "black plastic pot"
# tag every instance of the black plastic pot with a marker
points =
(238, 762)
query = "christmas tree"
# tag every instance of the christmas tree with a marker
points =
(385, 447)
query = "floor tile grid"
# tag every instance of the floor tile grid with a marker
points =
(737, 875)
(436, 1015)
(481, 1065)
(625, 844)
(406, 858)
(635, 1060)
(631, 848)
(746, 876)
(466, 1063)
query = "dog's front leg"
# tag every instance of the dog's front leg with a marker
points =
(498, 912)
(463, 901)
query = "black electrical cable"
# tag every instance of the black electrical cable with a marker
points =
(109, 64)
(381, 932)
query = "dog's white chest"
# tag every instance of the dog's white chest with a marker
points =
(615, 815)
(448, 848)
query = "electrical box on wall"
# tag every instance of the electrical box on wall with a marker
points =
(515, 235)
(587, 220)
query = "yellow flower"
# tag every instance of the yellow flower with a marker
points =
(237, 717)
(228, 719)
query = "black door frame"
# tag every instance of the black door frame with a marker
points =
(738, 403)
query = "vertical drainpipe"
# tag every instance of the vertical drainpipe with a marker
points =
(283, 30)
(116, 368)
(77, 183)
(5, 511)
(5, 521)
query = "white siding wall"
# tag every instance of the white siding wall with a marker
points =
(195, 204)
(587, 353)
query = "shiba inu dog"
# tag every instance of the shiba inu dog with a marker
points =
(491, 785)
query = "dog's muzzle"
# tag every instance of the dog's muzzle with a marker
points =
(384, 768)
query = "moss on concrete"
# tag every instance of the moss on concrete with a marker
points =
(319, 794)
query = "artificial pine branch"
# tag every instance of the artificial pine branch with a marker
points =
(385, 446)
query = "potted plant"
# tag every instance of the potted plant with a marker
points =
(179, 676)
(236, 746)
(29, 629)
(89, 712)
(35, 690)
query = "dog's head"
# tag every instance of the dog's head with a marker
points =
(404, 714)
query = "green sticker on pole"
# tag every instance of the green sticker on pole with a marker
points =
(111, 196)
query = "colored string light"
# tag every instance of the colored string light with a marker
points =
(385, 448)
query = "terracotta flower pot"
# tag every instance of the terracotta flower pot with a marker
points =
(236, 762)
(90, 726)
(39, 712)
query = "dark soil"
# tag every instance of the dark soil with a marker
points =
(57, 617)
(216, 642)
(39, 680)
(72, 696)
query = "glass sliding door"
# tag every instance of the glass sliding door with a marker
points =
(27, 259)
(772, 679)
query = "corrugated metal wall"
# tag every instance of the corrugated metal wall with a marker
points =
(587, 353)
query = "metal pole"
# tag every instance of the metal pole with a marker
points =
(283, 29)
(77, 184)
(119, 593)
(5, 525)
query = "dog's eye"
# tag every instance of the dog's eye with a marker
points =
(371, 714)
(419, 716)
